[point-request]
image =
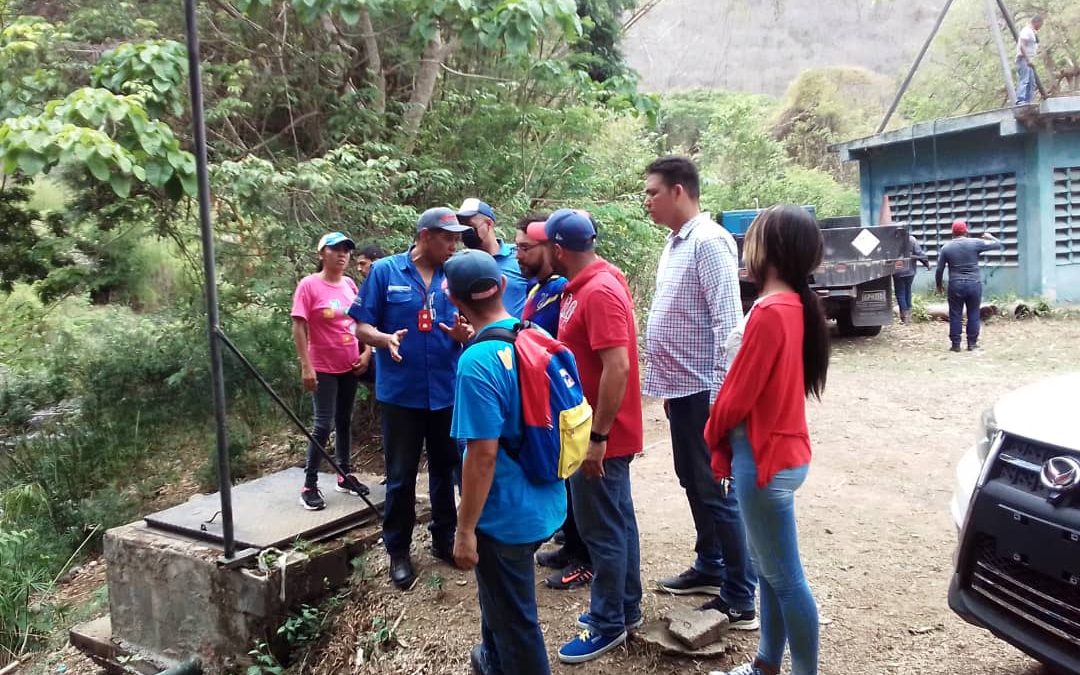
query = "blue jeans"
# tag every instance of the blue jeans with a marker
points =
(406, 431)
(721, 542)
(902, 285)
(333, 399)
(509, 625)
(789, 615)
(1025, 86)
(605, 516)
(964, 294)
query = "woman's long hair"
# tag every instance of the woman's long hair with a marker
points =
(788, 239)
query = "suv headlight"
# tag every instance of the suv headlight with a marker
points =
(988, 428)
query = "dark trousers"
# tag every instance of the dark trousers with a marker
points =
(509, 625)
(721, 540)
(405, 433)
(964, 294)
(575, 546)
(902, 285)
(333, 399)
(605, 514)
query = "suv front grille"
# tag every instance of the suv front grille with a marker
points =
(1048, 604)
(1020, 461)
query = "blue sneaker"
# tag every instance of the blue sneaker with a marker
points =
(583, 622)
(588, 646)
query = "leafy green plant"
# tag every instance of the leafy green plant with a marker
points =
(263, 661)
(110, 135)
(22, 576)
(155, 69)
(28, 48)
(301, 627)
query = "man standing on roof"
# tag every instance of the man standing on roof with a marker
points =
(404, 312)
(1027, 48)
(961, 256)
(480, 218)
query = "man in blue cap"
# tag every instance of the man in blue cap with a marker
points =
(403, 311)
(596, 323)
(481, 235)
(503, 516)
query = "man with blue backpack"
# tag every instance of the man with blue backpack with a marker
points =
(522, 412)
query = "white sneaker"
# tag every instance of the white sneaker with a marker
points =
(744, 669)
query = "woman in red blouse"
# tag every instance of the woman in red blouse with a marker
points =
(757, 428)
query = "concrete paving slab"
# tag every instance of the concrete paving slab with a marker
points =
(267, 511)
(696, 628)
(656, 633)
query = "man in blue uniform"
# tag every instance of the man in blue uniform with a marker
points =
(403, 311)
(481, 235)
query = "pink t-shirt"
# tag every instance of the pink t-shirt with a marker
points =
(332, 345)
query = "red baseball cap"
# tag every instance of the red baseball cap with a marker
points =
(959, 227)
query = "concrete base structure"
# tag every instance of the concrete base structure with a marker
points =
(171, 599)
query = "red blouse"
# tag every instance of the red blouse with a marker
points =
(764, 388)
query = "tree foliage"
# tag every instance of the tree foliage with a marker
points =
(963, 74)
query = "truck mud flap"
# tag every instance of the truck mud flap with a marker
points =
(873, 303)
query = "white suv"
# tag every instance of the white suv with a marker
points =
(1017, 509)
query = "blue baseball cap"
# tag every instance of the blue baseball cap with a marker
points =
(333, 239)
(573, 229)
(472, 275)
(472, 206)
(440, 218)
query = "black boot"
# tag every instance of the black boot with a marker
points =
(402, 573)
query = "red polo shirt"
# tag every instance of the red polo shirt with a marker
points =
(764, 388)
(598, 313)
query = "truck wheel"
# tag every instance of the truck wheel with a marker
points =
(845, 328)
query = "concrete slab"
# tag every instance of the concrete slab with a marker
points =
(94, 638)
(697, 628)
(267, 511)
(656, 633)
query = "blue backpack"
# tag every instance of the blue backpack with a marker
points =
(556, 417)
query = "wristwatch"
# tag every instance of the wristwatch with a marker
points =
(597, 437)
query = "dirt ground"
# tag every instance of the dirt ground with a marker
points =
(875, 533)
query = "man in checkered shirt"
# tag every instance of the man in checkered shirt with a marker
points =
(695, 307)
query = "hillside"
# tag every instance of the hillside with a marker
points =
(760, 46)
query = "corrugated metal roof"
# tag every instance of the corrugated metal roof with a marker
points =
(1009, 121)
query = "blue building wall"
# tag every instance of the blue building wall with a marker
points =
(1031, 155)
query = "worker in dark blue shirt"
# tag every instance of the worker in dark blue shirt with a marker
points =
(480, 218)
(404, 312)
(903, 279)
(961, 257)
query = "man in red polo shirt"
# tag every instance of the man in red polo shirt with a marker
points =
(596, 322)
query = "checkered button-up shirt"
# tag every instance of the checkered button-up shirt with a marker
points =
(695, 307)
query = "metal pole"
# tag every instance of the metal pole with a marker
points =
(217, 376)
(914, 67)
(1016, 36)
(1006, 70)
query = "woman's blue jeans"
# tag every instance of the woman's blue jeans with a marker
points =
(789, 615)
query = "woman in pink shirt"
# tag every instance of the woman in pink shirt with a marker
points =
(330, 358)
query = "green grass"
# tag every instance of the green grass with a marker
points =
(47, 195)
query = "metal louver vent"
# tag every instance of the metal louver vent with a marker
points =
(1067, 215)
(987, 203)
